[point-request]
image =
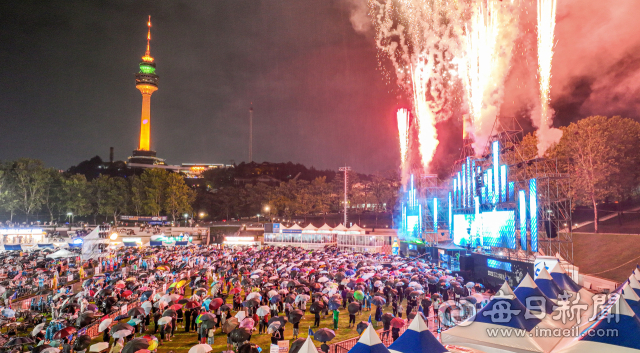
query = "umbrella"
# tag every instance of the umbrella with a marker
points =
(229, 325)
(64, 332)
(362, 325)
(136, 311)
(387, 317)
(239, 335)
(45, 348)
(274, 327)
(378, 301)
(353, 307)
(121, 330)
(324, 335)
(215, 303)
(99, 347)
(82, 342)
(135, 345)
(247, 323)
(297, 344)
(295, 315)
(164, 320)
(240, 315)
(104, 325)
(200, 348)
(316, 307)
(358, 295)
(37, 329)
(397, 322)
(170, 312)
(263, 311)
(281, 319)
(18, 341)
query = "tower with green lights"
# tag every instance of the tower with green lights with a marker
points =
(147, 83)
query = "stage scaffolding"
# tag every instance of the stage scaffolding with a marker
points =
(554, 204)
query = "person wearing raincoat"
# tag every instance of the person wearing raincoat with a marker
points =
(336, 317)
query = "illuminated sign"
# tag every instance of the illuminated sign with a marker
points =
(522, 205)
(495, 148)
(450, 214)
(20, 231)
(239, 240)
(143, 218)
(503, 183)
(490, 184)
(500, 265)
(533, 212)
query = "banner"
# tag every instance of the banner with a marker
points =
(143, 218)
(123, 310)
(69, 278)
(97, 270)
(283, 346)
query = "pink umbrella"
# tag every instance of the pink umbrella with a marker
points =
(248, 323)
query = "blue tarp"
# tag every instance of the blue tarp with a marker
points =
(183, 243)
(16, 247)
(49, 246)
(73, 245)
(155, 243)
(127, 243)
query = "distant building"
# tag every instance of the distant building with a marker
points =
(265, 179)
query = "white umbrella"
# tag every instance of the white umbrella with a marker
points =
(99, 347)
(147, 307)
(271, 293)
(104, 325)
(164, 320)
(200, 348)
(240, 315)
(255, 276)
(121, 334)
(322, 279)
(50, 350)
(263, 311)
(37, 329)
(254, 295)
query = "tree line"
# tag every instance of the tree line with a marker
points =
(225, 199)
(30, 189)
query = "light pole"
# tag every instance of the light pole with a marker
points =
(268, 209)
(258, 218)
(70, 217)
(346, 170)
(186, 219)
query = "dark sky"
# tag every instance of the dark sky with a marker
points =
(67, 88)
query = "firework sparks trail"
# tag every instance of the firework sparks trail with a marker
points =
(546, 26)
(422, 45)
(403, 134)
(481, 48)
(490, 34)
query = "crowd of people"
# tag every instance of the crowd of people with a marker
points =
(142, 296)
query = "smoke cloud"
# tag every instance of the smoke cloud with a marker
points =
(359, 15)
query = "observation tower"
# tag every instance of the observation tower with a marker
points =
(147, 83)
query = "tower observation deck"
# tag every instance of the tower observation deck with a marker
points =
(147, 83)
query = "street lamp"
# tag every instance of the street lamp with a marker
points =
(268, 210)
(70, 216)
(258, 218)
(186, 219)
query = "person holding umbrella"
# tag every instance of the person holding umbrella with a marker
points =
(336, 317)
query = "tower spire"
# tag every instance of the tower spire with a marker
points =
(147, 55)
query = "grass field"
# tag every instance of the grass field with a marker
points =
(595, 253)
(182, 341)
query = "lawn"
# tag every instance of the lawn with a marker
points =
(182, 341)
(595, 253)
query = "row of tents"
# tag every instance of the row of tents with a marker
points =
(549, 314)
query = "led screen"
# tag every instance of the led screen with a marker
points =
(463, 224)
(495, 228)
(499, 229)
(412, 224)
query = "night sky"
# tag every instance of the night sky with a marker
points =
(67, 87)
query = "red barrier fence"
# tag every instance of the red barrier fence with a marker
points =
(346, 345)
